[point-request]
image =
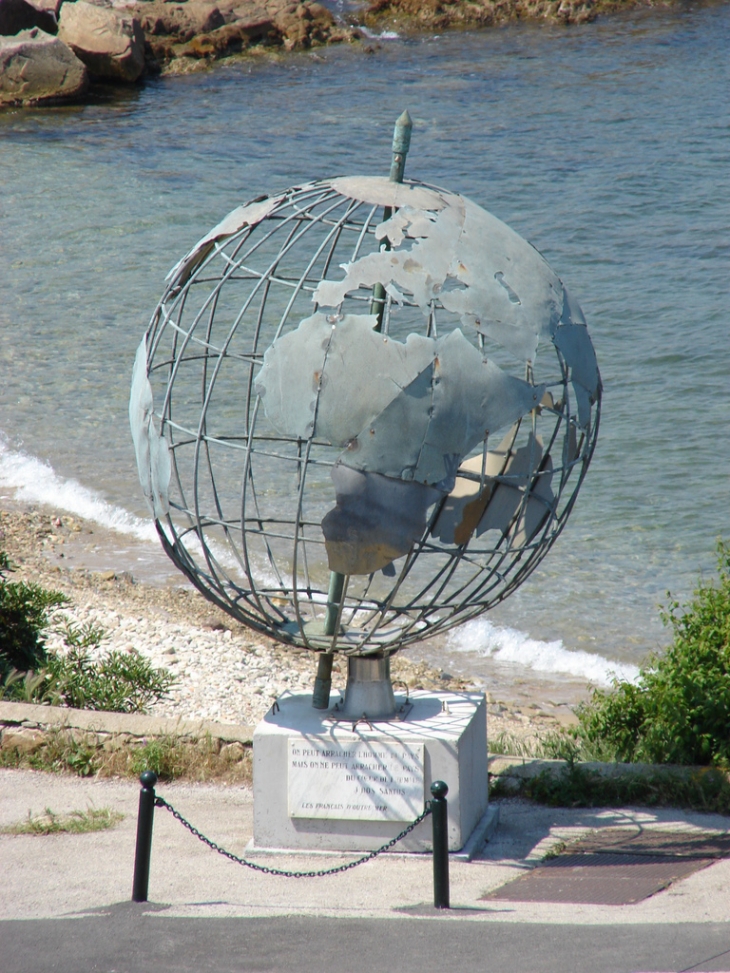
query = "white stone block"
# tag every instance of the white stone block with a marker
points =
(329, 786)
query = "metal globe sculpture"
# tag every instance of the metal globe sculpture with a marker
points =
(362, 411)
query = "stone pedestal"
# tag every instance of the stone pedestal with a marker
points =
(329, 786)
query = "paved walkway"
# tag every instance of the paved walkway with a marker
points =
(85, 881)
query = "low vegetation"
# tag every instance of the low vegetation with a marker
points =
(576, 785)
(677, 712)
(77, 822)
(555, 745)
(84, 677)
(676, 715)
(81, 676)
(24, 611)
(171, 757)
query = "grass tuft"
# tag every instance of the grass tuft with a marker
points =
(554, 745)
(77, 822)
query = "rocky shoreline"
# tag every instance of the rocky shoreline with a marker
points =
(438, 15)
(225, 672)
(52, 50)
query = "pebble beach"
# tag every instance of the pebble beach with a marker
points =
(224, 672)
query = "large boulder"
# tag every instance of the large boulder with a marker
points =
(109, 42)
(17, 15)
(37, 67)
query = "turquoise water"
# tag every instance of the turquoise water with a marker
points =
(607, 146)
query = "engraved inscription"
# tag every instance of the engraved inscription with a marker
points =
(356, 781)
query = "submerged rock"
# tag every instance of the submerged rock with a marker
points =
(109, 42)
(436, 15)
(37, 67)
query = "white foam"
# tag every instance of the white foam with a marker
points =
(509, 646)
(386, 35)
(35, 481)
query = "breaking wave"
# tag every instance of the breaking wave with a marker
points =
(34, 481)
(511, 647)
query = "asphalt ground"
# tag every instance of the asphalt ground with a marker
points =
(124, 941)
(65, 899)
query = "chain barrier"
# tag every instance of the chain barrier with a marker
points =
(161, 802)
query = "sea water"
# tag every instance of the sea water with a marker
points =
(606, 145)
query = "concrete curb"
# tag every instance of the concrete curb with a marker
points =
(15, 717)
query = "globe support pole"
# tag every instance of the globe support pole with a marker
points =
(323, 679)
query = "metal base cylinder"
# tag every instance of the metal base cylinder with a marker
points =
(369, 691)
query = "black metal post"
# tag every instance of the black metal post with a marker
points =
(439, 816)
(141, 882)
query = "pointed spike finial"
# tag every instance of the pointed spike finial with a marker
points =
(401, 144)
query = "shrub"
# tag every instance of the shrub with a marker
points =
(679, 710)
(124, 682)
(24, 611)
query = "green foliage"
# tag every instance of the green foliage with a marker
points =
(509, 743)
(679, 711)
(24, 611)
(164, 755)
(22, 687)
(171, 757)
(124, 682)
(577, 786)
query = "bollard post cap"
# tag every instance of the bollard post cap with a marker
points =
(148, 778)
(439, 789)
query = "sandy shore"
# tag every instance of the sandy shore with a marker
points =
(225, 672)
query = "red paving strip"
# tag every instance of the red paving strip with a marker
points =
(599, 879)
(640, 841)
(616, 866)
